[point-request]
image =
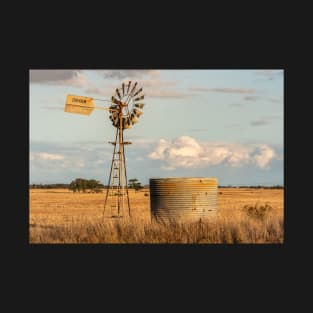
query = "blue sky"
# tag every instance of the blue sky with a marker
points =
(226, 124)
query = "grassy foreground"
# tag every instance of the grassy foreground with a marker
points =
(244, 216)
(246, 230)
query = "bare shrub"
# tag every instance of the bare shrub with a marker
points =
(257, 211)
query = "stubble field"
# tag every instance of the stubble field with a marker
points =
(244, 216)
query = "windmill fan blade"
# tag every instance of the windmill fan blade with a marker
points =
(114, 115)
(134, 119)
(139, 105)
(113, 118)
(113, 107)
(128, 86)
(114, 100)
(115, 121)
(123, 87)
(140, 98)
(137, 112)
(118, 93)
(125, 123)
(134, 87)
(138, 92)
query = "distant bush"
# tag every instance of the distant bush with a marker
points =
(257, 211)
(134, 184)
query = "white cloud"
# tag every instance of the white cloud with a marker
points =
(49, 156)
(186, 152)
(265, 155)
(55, 161)
(159, 151)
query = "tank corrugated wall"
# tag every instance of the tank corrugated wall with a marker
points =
(183, 199)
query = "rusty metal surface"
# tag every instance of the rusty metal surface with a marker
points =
(183, 199)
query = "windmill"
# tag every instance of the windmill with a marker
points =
(124, 111)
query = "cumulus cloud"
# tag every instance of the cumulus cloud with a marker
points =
(54, 160)
(80, 156)
(223, 90)
(264, 155)
(186, 152)
(58, 77)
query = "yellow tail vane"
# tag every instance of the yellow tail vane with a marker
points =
(79, 105)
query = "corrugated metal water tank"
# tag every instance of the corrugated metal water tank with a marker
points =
(183, 199)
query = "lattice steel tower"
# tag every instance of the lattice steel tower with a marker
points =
(124, 111)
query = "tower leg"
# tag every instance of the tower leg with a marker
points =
(129, 213)
(117, 187)
(109, 182)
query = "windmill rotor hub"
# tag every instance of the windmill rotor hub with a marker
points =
(126, 102)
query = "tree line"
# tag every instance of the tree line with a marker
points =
(255, 187)
(49, 186)
(83, 185)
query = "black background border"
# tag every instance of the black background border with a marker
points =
(75, 269)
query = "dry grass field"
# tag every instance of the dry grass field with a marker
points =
(244, 216)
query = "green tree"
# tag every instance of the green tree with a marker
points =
(80, 184)
(72, 186)
(134, 184)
